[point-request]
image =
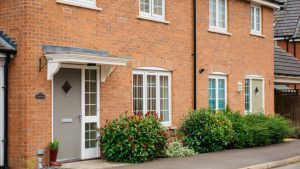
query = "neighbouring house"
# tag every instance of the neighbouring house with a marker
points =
(7, 52)
(287, 36)
(82, 62)
(287, 63)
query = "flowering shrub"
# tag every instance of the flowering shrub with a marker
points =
(206, 131)
(133, 139)
(176, 149)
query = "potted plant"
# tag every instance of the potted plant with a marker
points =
(53, 146)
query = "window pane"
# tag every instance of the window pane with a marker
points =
(90, 92)
(247, 95)
(221, 94)
(212, 13)
(90, 135)
(164, 98)
(151, 93)
(137, 93)
(258, 18)
(222, 13)
(212, 93)
(158, 7)
(252, 18)
(145, 6)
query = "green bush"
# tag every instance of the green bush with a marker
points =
(240, 132)
(176, 149)
(296, 133)
(257, 129)
(133, 139)
(206, 131)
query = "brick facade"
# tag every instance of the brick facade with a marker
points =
(117, 29)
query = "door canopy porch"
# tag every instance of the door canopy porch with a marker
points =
(58, 55)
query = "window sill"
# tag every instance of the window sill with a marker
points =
(219, 31)
(153, 19)
(66, 2)
(257, 34)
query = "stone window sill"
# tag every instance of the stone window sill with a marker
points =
(66, 2)
(257, 34)
(219, 31)
(153, 19)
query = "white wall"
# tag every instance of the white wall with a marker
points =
(1, 109)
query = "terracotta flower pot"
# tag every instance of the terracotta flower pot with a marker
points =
(53, 155)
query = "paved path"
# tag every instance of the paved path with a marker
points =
(292, 166)
(231, 159)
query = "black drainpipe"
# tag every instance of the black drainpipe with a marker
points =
(195, 52)
(7, 60)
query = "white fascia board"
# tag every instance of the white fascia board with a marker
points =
(265, 3)
(85, 59)
(55, 61)
(287, 79)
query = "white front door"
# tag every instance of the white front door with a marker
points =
(1, 112)
(90, 113)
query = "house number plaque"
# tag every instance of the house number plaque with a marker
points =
(40, 96)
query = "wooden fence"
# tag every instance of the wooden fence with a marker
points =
(287, 104)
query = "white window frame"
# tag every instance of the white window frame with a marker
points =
(217, 27)
(254, 77)
(157, 74)
(217, 77)
(151, 13)
(2, 60)
(89, 4)
(255, 31)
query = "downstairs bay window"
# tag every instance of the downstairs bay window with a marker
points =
(152, 93)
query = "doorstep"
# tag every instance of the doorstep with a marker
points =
(91, 164)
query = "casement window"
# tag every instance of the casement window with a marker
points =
(218, 15)
(152, 93)
(217, 92)
(256, 19)
(152, 8)
(254, 95)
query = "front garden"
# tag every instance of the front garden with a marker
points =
(138, 138)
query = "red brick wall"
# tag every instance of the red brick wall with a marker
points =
(117, 29)
(293, 48)
(237, 55)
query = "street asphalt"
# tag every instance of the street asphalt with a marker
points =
(231, 159)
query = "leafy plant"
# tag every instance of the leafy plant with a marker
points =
(206, 131)
(176, 149)
(257, 129)
(296, 133)
(133, 139)
(54, 145)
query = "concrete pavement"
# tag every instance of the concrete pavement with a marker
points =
(292, 166)
(230, 159)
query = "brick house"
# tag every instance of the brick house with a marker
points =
(287, 37)
(82, 62)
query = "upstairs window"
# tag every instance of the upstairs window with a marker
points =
(152, 8)
(218, 15)
(255, 19)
